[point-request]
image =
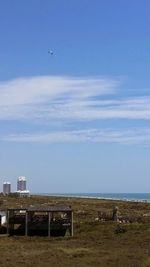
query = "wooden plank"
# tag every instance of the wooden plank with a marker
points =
(26, 224)
(72, 223)
(49, 224)
(7, 222)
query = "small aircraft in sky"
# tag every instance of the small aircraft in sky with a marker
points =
(50, 51)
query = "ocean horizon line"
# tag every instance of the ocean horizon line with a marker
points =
(137, 197)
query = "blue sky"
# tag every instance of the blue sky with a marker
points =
(77, 120)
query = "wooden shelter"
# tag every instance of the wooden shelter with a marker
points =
(52, 220)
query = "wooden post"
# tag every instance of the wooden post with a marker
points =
(71, 223)
(7, 222)
(26, 223)
(11, 222)
(49, 224)
(115, 213)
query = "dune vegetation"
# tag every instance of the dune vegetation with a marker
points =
(97, 241)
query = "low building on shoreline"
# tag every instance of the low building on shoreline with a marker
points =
(23, 193)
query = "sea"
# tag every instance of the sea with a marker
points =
(137, 197)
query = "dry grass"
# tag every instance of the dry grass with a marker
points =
(94, 243)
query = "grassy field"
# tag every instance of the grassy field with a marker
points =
(95, 243)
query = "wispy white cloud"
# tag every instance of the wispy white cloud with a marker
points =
(58, 100)
(121, 136)
(42, 97)
(51, 98)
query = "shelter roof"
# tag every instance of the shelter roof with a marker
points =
(49, 208)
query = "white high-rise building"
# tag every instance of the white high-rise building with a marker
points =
(21, 183)
(21, 187)
(6, 188)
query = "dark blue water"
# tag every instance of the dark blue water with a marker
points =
(115, 196)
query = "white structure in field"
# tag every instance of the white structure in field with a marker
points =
(21, 187)
(2, 217)
(6, 188)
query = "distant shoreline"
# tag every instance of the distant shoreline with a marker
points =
(131, 197)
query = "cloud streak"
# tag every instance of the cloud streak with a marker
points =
(65, 98)
(69, 101)
(120, 136)
(45, 95)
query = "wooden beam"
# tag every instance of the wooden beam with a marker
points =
(49, 224)
(7, 222)
(26, 223)
(71, 223)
